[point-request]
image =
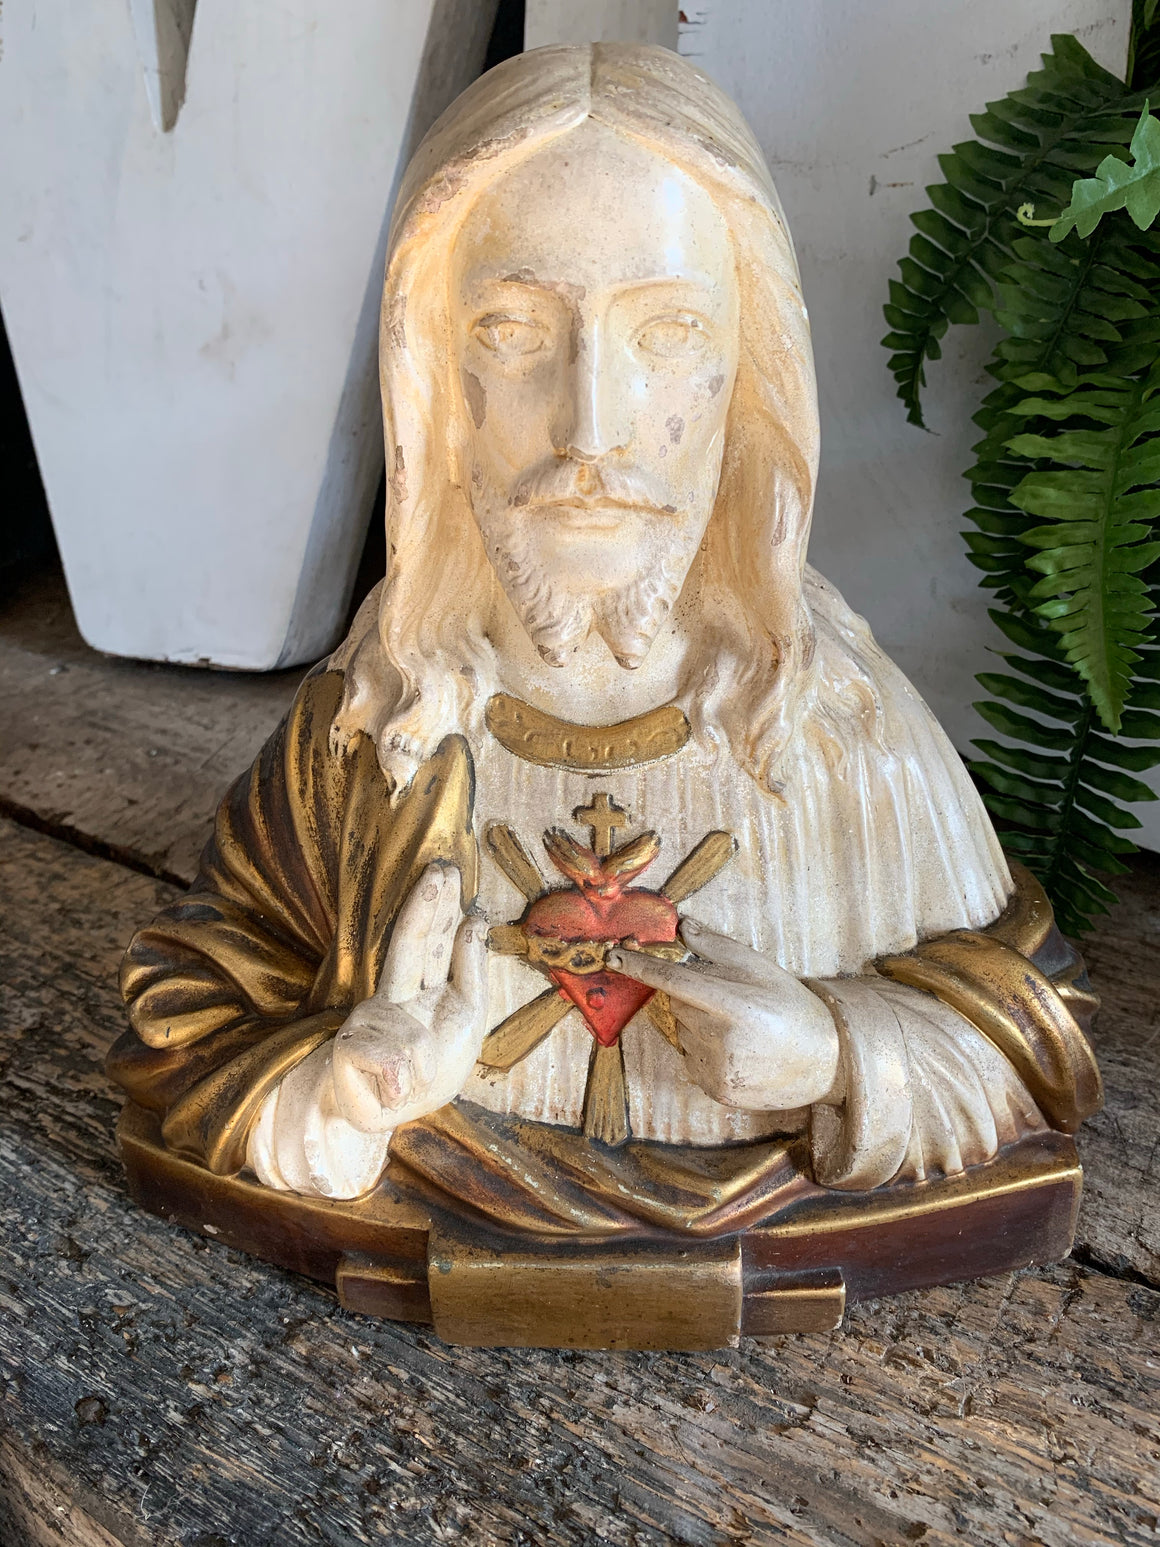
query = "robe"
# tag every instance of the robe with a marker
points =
(873, 874)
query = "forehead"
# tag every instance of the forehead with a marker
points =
(594, 210)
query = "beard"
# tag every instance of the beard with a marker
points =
(559, 611)
(564, 584)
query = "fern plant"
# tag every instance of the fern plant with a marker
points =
(1066, 481)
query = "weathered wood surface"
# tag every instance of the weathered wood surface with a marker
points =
(160, 1390)
(121, 755)
(1120, 1147)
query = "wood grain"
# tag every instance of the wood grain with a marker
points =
(161, 1390)
(123, 756)
(1119, 1223)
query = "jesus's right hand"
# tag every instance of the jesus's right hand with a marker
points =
(401, 1054)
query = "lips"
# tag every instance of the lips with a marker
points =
(589, 518)
(576, 929)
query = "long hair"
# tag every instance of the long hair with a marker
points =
(418, 664)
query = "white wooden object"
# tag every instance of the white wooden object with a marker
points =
(601, 21)
(866, 98)
(192, 227)
(164, 29)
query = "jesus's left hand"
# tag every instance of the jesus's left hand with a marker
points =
(753, 1035)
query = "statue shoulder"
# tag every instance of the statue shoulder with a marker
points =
(856, 678)
(896, 762)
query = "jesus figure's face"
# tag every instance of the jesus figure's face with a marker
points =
(596, 335)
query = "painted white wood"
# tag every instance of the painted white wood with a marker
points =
(193, 311)
(852, 105)
(600, 21)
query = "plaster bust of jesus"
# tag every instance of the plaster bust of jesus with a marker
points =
(609, 840)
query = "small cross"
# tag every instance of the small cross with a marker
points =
(603, 816)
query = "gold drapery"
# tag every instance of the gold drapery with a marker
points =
(539, 1179)
(286, 928)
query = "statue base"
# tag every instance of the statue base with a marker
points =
(393, 1256)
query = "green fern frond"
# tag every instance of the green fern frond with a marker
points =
(1115, 275)
(1144, 45)
(1066, 479)
(1063, 306)
(1031, 146)
(1055, 784)
(1096, 492)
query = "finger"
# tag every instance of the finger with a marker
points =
(469, 965)
(260, 1156)
(343, 1160)
(402, 974)
(739, 961)
(691, 984)
(297, 1093)
(440, 936)
(374, 1076)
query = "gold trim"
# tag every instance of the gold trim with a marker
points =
(583, 957)
(659, 1010)
(1018, 1009)
(1045, 1160)
(816, 1306)
(698, 868)
(1026, 921)
(541, 738)
(395, 1289)
(1013, 1211)
(507, 940)
(639, 1296)
(524, 1030)
(514, 860)
(605, 1096)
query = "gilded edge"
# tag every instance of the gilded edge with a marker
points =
(541, 738)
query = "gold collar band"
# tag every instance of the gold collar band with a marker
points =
(541, 738)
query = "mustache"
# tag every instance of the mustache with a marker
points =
(564, 481)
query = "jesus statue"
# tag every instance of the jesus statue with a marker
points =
(608, 880)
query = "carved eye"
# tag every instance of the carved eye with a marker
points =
(509, 337)
(672, 338)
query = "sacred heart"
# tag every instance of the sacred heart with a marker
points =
(567, 934)
(570, 931)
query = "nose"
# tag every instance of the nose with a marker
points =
(590, 423)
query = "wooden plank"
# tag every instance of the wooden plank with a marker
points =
(41, 1508)
(1119, 1223)
(162, 1390)
(128, 757)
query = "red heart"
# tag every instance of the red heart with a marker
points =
(606, 1000)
